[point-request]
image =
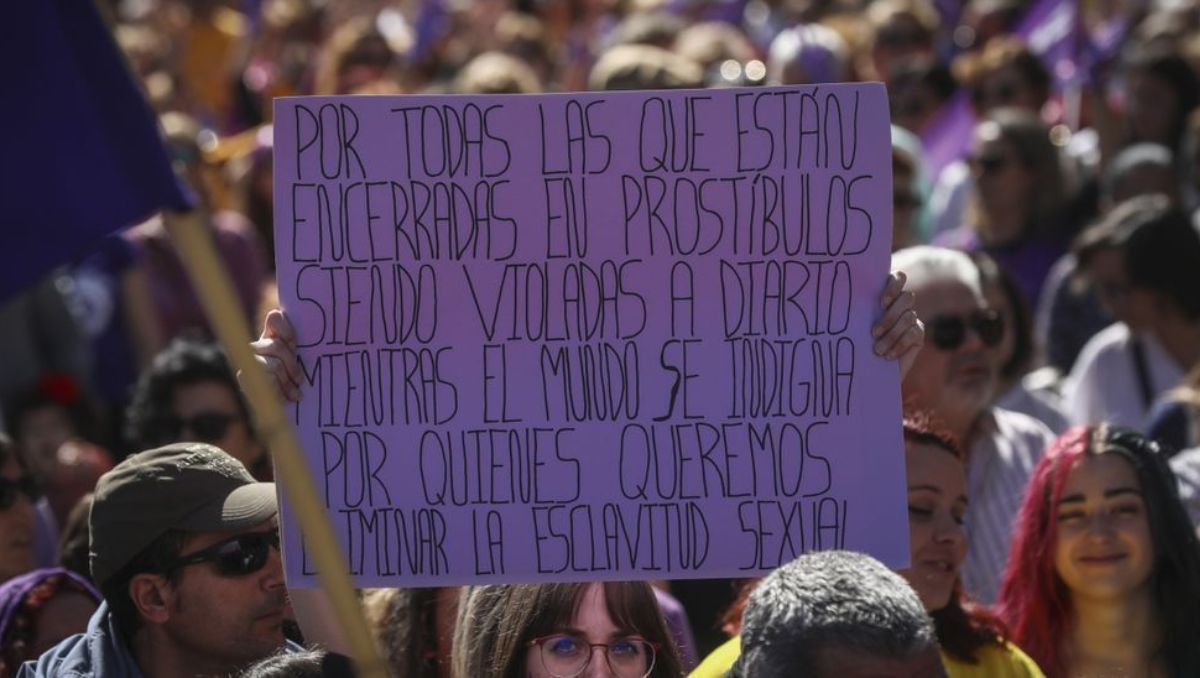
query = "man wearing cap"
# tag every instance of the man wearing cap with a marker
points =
(185, 548)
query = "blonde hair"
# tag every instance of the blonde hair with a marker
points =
(921, 11)
(627, 67)
(497, 73)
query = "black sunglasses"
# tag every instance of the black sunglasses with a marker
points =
(206, 427)
(235, 557)
(948, 332)
(10, 489)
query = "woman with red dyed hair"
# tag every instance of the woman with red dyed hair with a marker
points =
(1104, 577)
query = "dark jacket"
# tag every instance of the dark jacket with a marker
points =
(101, 652)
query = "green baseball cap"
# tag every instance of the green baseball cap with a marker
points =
(183, 486)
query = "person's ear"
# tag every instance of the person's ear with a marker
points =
(152, 595)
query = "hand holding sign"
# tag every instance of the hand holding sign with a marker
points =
(899, 335)
(596, 336)
(276, 351)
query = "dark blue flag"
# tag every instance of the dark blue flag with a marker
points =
(82, 156)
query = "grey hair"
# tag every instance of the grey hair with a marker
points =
(830, 599)
(306, 664)
(926, 264)
(807, 54)
(1133, 158)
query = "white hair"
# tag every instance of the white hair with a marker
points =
(818, 52)
(926, 264)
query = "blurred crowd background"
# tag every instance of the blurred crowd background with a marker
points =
(1027, 133)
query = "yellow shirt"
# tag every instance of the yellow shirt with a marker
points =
(717, 664)
(995, 661)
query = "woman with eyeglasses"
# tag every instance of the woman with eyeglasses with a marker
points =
(610, 629)
(1105, 574)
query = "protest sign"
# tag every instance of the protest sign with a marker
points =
(591, 336)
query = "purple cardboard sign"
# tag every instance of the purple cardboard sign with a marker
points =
(591, 336)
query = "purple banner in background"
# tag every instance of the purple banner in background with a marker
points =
(1054, 31)
(949, 135)
(596, 336)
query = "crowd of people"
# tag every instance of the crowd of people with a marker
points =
(1045, 315)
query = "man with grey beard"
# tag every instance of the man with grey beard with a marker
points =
(953, 379)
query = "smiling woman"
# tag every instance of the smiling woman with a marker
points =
(973, 642)
(1105, 573)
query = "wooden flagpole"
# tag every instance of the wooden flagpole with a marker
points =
(194, 243)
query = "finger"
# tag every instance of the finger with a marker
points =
(281, 352)
(908, 356)
(276, 325)
(896, 330)
(283, 381)
(892, 289)
(899, 308)
(909, 345)
(900, 341)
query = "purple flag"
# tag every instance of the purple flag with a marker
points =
(948, 136)
(82, 155)
(1054, 31)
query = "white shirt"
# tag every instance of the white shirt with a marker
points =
(1035, 396)
(949, 200)
(1186, 466)
(1005, 448)
(1103, 385)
